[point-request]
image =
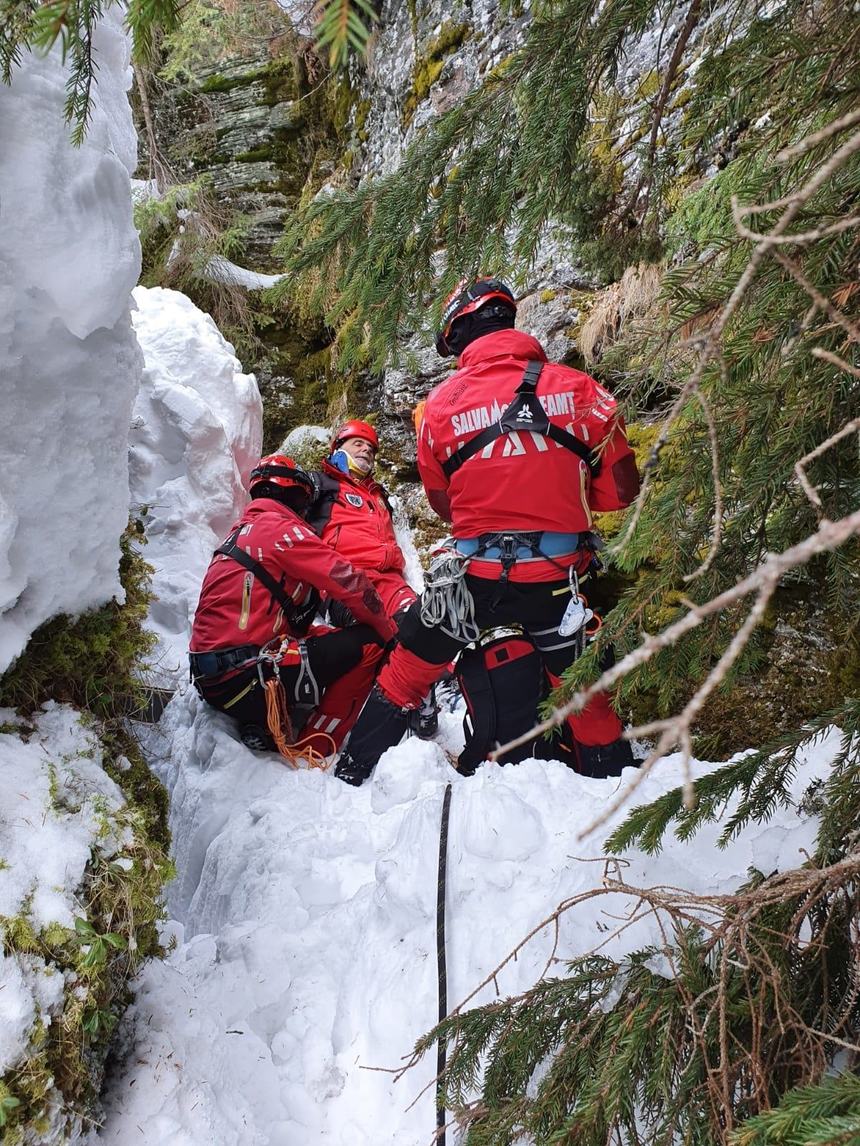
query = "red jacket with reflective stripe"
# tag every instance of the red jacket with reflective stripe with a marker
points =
(235, 608)
(357, 522)
(522, 481)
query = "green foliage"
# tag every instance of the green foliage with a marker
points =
(93, 661)
(754, 787)
(827, 1114)
(39, 25)
(635, 1051)
(343, 26)
(210, 30)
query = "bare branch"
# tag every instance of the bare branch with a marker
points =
(716, 535)
(800, 467)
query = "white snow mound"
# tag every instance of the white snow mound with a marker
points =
(196, 433)
(69, 363)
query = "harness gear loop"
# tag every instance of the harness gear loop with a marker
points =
(307, 689)
(446, 602)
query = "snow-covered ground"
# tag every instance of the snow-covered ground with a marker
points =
(69, 362)
(305, 966)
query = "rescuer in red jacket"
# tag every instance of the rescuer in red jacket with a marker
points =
(516, 453)
(254, 654)
(352, 513)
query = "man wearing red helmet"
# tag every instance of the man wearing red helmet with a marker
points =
(352, 513)
(253, 620)
(516, 452)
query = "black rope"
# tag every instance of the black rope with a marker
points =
(441, 964)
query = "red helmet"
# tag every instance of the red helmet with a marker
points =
(465, 299)
(278, 469)
(355, 429)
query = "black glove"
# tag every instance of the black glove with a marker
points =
(339, 615)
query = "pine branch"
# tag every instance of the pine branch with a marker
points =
(760, 781)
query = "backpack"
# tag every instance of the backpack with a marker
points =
(502, 682)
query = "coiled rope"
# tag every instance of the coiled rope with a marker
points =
(446, 602)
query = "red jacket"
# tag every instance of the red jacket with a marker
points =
(352, 515)
(522, 481)
(235, 608)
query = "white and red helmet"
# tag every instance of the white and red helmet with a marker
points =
(466, 299)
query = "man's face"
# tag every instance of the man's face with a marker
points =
(361, 452)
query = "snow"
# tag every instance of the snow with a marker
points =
(221, 270)
(69, 363)
(305, 965)
(59, 807)
(196, 434)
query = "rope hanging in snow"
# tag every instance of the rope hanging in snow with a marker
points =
(446, 602)
(441, 965)
(278, 720)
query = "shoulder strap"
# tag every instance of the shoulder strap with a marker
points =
(292, 613)
(525, 413)
(327, 488)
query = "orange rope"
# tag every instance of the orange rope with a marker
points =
(278, 720)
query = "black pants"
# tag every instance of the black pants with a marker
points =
(330, 655)
(538, 607)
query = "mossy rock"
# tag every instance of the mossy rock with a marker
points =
(429, 64)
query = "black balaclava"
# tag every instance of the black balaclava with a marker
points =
(487, 320)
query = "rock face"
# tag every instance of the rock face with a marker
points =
(266, 130)
(254, 129)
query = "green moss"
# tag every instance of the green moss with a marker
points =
(430, 63)
(92, 661)
(648, 86)
(548, 295)
(121, 904)
(208, 34)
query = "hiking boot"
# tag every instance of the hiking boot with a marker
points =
(380, 724)
(347, 770)
(425, 720)
(602, 760)
(256, 738)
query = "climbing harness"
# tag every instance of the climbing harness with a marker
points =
(441, 964)
(524, 415)
(446, 602)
